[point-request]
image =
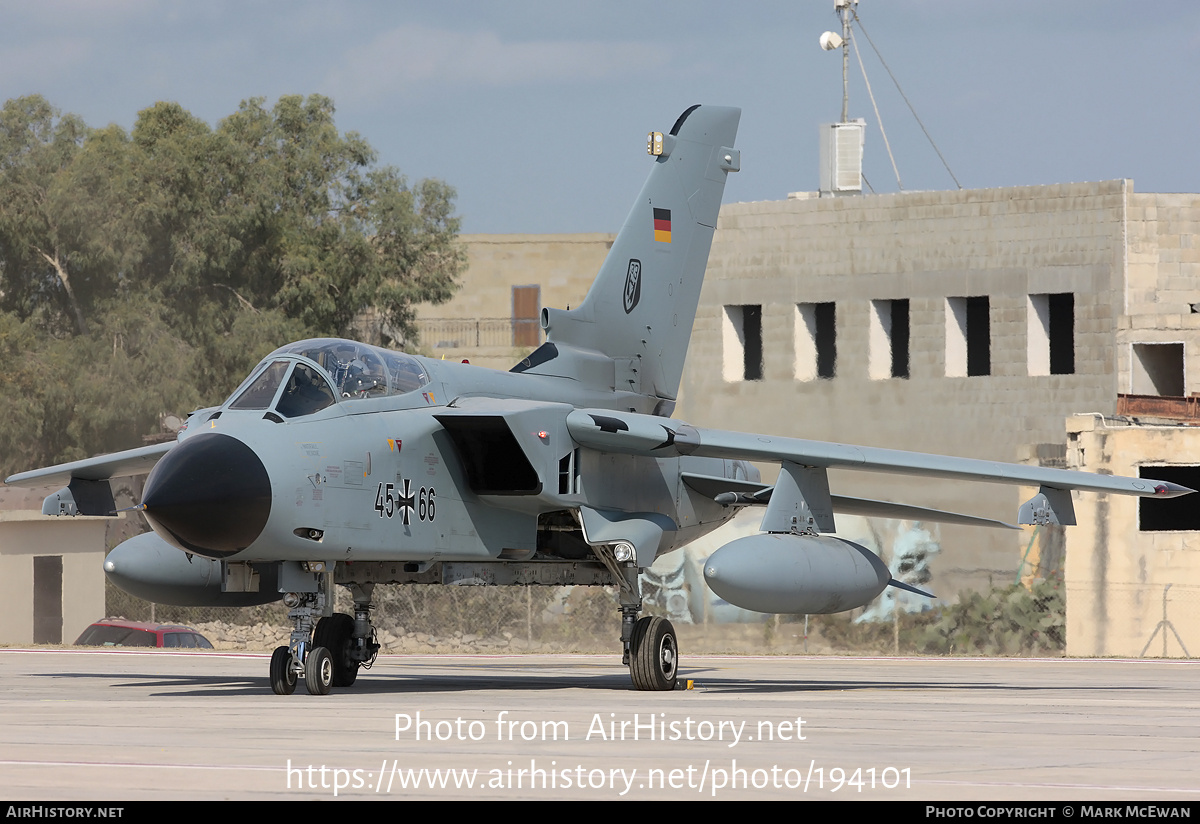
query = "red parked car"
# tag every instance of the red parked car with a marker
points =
(117, 632)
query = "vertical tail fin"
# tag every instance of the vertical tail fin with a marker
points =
(631, 333)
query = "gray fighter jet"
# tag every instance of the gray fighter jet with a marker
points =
(339, 463)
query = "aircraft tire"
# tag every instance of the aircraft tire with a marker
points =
(318, 671)
(654, 655)
(335, 633)
(283, 678)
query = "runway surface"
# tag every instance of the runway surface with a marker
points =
(125, 725)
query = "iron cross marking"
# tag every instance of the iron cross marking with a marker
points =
(407, 502)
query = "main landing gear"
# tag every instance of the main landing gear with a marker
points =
(653, 654)
(330, 654)
(650, 648)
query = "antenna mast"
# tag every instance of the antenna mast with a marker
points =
(844, 8)
(842, 142)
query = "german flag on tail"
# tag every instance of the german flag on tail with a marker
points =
(662, 225)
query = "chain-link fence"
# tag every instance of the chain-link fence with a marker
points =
(1133, 619)
(1039, 616)
(1009, 620)
(420, 618)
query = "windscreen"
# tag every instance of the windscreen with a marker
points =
(106, 636)
(261, 391)
(361, 371)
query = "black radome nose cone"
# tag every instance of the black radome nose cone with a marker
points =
(210, 495)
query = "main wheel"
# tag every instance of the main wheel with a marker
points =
(654, 654)
(318, 671)
(336, 633)
(283, 677)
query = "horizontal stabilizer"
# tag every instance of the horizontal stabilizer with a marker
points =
(886, 509)
(748, 493)
(910, 588)
(713, 486)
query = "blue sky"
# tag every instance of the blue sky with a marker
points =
(537, 112)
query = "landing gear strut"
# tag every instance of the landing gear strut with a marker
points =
(350, 641)
(649, 646)
(330, 654)
(301, 658)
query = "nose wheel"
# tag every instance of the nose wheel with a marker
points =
(283, 675)
(318, 671)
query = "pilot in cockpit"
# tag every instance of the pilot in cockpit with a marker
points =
(362, 376)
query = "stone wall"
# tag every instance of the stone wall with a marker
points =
(1117, 575)
(1162, 285)
(563, 266)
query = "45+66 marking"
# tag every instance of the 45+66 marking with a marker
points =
(389, 501)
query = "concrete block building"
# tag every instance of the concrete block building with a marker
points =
(1133, 567)
(51, 576)
(967, 322)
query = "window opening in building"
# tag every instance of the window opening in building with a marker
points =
(816, 341)
(889, 339)
(968, 336)
(1158, 369)
(752, 363)
(742, 343)
(1169, 514)
(1051, 346)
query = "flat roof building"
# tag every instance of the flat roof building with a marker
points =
(968, 323)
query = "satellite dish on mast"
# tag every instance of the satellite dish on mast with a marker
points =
(831, 40)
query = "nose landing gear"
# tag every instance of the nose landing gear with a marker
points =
(330, 654)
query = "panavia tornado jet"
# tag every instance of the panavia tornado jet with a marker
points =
(338, 463)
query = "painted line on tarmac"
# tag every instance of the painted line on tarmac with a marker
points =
(151, 651)
(139, 765)
(1045, 786)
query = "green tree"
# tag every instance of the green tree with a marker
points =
(147, 272)
(61, 185)
(278, 211)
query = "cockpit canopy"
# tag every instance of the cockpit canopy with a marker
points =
(348, 371)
